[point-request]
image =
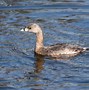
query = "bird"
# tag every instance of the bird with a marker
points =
(56, 50)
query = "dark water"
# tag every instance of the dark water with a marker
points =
(61, 21)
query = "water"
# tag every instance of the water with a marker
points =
(62, 21)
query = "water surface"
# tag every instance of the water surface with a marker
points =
(64, 21)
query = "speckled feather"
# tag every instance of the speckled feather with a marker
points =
(57, 50)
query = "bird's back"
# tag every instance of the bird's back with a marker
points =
(63, 49)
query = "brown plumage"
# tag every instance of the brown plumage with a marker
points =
(57, 50)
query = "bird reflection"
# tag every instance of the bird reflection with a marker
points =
(39, 63)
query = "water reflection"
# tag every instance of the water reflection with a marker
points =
(39, 63)
(64, 21)
(8, 2)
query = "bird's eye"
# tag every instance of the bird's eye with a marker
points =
(29, 27)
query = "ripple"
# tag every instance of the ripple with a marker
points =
(61, 21)
(57, 6)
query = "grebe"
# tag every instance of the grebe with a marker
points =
(57, 50)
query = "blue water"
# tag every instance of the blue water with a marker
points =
(62, 21)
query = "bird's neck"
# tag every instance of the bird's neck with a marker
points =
(39, 41)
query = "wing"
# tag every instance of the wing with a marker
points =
(64, 49)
